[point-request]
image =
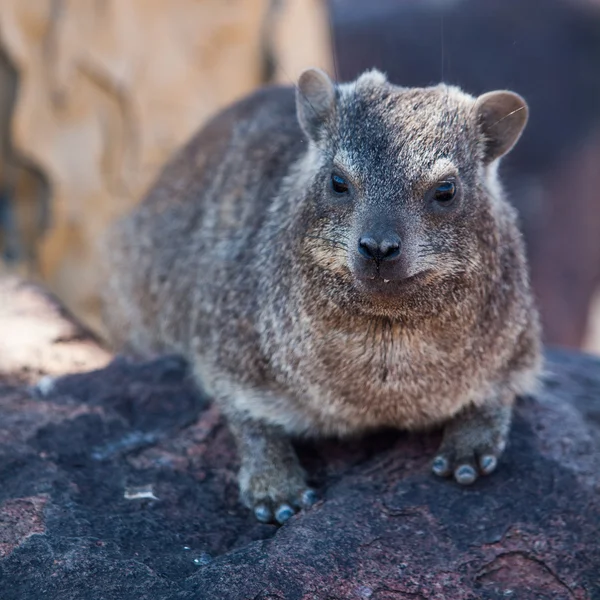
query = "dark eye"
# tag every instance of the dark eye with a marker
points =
(445, 192)
(338, 184)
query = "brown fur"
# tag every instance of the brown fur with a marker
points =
(244, 260)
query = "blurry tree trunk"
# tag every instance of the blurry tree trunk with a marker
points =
(96, 94)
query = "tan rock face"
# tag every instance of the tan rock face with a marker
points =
(39, 339)
(105, 91)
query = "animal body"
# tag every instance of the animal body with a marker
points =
(335, 259)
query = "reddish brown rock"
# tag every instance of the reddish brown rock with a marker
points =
(122, 481)
(20, 518)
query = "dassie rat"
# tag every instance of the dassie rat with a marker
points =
(334, 261)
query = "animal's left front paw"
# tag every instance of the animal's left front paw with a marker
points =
(473, 443)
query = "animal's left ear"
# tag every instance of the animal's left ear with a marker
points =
(502, 117)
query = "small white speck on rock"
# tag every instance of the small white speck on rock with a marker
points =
(45, 386)
(140, 492)
(203, 559)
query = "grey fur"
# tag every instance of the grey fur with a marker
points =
(244, 260)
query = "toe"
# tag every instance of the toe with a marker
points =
(309, 497)
(487, 463)
(263, 513)
(283, 513)
(440, 466)
(465, 474)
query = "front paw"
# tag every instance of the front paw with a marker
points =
(274, 494)
(472, 445)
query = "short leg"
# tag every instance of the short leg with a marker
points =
(473, 441)
(272, 482)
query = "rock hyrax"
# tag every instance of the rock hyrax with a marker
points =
(334, 259)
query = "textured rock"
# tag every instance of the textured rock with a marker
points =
(122, 481)
(38, 338)
(102, 93)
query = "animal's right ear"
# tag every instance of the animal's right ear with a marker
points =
(315, 101)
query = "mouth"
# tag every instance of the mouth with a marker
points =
(379, 285)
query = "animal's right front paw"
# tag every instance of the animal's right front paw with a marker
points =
(275, 494)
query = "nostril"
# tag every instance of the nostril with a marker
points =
(389, 248)
(368, 247)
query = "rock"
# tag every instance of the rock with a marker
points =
(96, 96)
(39, 339)
(121, 480)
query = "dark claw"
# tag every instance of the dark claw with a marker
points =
(284, 512)
(263, 514)
(465, 475)
(309, 497)
(440, 466)
(488, 463)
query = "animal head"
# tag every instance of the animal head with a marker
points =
(401, 184)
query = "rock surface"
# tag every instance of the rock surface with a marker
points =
(96, 96)
(119, 483)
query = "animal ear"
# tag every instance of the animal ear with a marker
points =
(502, 117)
(315, 101)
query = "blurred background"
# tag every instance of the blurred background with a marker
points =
(96, 94)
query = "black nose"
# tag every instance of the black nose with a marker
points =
(387, 248)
